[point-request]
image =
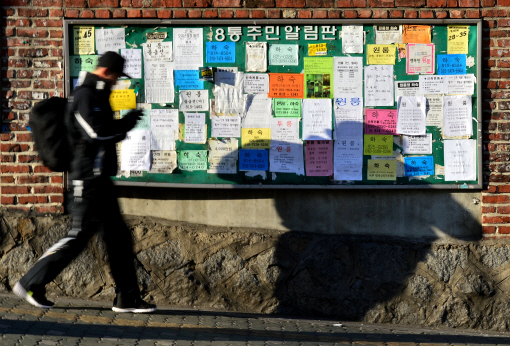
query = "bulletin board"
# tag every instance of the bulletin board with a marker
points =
(233, 48)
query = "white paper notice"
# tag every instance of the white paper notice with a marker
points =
(406, 88)
(133, 63)
(461, 84)
(379, 85)
(256, 57)
(159, 82)
(352, 39)
(136, 149)
(434, 110)
(317, 119)
(188, 49)
(457, 113)
(460, 159)
(163, 161)
(223, 156)
(417, 144)
(256, 83)
(285, 129)
(164, 128)
(411, 116)
(348, 159)
(348, 76)
(193, 100)
(226, 126)
(195, 130)
(348, 120)
(158, 51)
(110, 40)
(388, 34)
(286, 157)
(258, 112)
(433, 85)
(229, 79)
(229, 101)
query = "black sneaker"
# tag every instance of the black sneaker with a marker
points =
(33, 298)
(130, 303)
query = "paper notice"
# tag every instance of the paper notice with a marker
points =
(460, 160)
(348, 158)
(318, 77)
(416, 34)
(256, 83)
(348, 120)
(451, 64)
(347, 76)
(193, 100)
(256, 57)
(381, 121)
(229, 101)
(458, 39)
(223, 156)
(317, 49)
(258, 112)
(432, 85)
(286, 130)
(286, 157)
(253, 160)
(79, 63)
(220, 52)
(382, 170)
(434, 110)
(287, 108)
(163, 161)
(230, 79)
(411, 115)
(226, 126)
(164, 126)
(188, 48)
(158, 51)
(122, 99)
(352, 39)
(406, 88)
(133, 63)
(388, 34)
(286, 85)
(283, 54)
(83, 40)
(319, 158)
(136, 149)
(381, 54)
(192, 160)
(377, 145)
(461, 84)
(379, 85)
(195, 130)
(255, 138)
(420, 58)
(417, 144)
(457, 116)
(188, 79)
(317, 119)
(110, 40)
(419, 166)
(159, 82)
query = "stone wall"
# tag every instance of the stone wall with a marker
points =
(448, 282)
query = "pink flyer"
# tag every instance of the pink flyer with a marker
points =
(380, 121)
(420, 58)
(319, 158)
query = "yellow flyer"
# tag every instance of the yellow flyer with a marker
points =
(378, 145)
(382, 170)
(84, 40)
(256, 138)
(317, 49)
(381, 54)
(122, 99)
(458, 39)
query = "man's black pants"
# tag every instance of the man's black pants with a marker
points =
(94, 206)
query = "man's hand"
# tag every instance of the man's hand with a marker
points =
(132, 118)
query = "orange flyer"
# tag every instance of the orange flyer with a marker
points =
(286, 85)
(416, 34)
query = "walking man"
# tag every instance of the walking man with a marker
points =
(93, 134)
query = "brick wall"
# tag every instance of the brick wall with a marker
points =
(31, 50)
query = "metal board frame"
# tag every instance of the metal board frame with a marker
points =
(68, 23)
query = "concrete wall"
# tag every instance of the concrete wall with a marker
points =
(409, 214)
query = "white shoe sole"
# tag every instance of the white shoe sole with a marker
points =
(133, 310)
(21, 292)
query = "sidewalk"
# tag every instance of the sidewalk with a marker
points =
(82, 323)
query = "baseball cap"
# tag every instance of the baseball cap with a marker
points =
(113, 61)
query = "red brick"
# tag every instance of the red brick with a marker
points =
(56, 34)
(364, 13)
(320, 14)
(48, 22)
(228, 3)
(32, 12)
(7, 179)
(47, 3)
(195, 14)
(104, 14)
(32, 199)
(382, 3)
(495, 219)
(57, 179)
(411, 14)
(134, 14)
(27, 158)
(436, 3)
(351, 3)
(103, 3)
(503, 230)
(290, 3)
(32, 53)
(196, 3)
(320, 3)
(32, 32)
(43, 84)
(8, 32)
(494, 13)
(15, 190)
(488, 210)
(42, 169)
(242, 14)
(469, 3)
(7, 158)
(396, 14)
(85, 14)
(24, 137)
(427, 14)
(488, 3)
(334, 14)
(57, 199)
(49, 209)
(441, 14)
(33, 179)
(48, 189)
(495, 199)
(304, 14)
(488, 229)
(17, 42)
(119, 13)
(501, 210)
(453, 3)
(166, 3)
(410, 3)
(380, 14)
(504, 188)
(6, 136)
(211, 14)
(180, 14)
(56, 13)
(472, 14)
(165, 14)
(7, 200)
(258, 14)
(18, 22)
(76, 3)
(15, 2)
(457, 14)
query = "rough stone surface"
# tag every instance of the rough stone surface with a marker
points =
(448, 282)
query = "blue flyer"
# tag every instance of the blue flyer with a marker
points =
(220, 52)
(188, 80)
(448, 64)
(253, 160)
(419, 165)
